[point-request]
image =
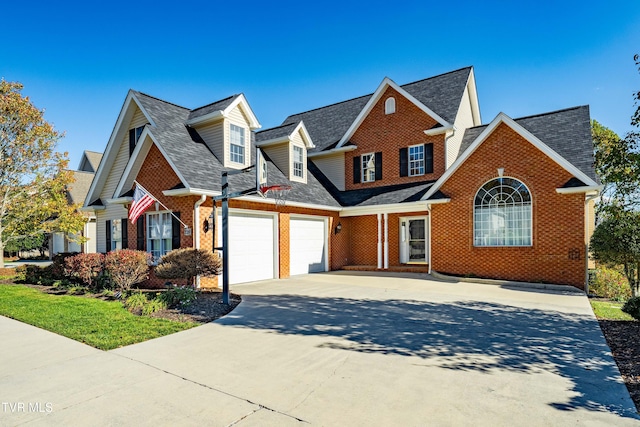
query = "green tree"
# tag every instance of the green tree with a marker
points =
(616, 241)
(33, 179)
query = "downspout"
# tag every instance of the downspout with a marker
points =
(386, 241)
(429, 234)
(587, 199)
(196, 228)
(379, 241)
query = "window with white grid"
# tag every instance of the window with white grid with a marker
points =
(236, 148)
(159, 234)
(502, 214)
(416, 160)
(368, 167)
(298, 162)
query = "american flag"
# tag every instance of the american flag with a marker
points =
(141, 201)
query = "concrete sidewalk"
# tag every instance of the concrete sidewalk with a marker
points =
(336, 349)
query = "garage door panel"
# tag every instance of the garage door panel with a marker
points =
(307, 246)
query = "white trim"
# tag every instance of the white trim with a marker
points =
(189, 191)
(119, 201)
(274, 141)
(379, 217)
(427, 238)
(586, 189)
(429, 231)
(389, 105)
(386, 240)
(386, 83)
(210, 117)
(327, 153)
(439, 130)
(111, 152)
(424, 160)
(244, 105)
(390, 208)
(306, 138)
(326, 234)
(92, 208)
(503, 118)
(373, 157)
(473, 98)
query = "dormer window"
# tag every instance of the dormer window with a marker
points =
(236, 148)
(298, 162)
(390, 105)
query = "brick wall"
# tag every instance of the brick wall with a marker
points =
(557, 253)
(387, 133)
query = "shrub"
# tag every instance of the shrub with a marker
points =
(135, 302)
(127, 267)
(35, 275)
(180, 296)
(632, 307)
(188, 263)
(152, 306)
(58, 265)
(609, 283)
(85, 267)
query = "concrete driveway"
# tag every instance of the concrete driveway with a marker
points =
(336, 349)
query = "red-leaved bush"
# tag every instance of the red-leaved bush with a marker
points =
(127, 267)
(85, 267)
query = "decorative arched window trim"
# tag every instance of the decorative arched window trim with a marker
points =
(502, 214)
(390, 105)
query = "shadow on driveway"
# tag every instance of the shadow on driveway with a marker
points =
(467, 336)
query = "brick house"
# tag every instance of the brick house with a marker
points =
(404, 179)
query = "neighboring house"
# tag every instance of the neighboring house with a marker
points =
(76, 194)
(404, 179)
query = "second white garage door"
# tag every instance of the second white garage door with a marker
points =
(251, 247)
(308, 245)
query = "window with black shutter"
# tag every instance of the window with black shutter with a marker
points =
(175, 231)
(107, 228)
(428, 158)
(378, 163)
(125, 233)
(404, 162)
(356, 170)
(140, 233)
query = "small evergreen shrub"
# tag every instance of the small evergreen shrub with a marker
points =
(85, 267)
(632, 307)
(609, 283)
(180, 296)
(127, 267)
(36, 275)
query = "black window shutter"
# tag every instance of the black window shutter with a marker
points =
(140, 233)
(132, 140)
(125, 233)
(378, 160)
(356, 170)
(108, 235)
(428, 158)
(175, 231)
(404, 162)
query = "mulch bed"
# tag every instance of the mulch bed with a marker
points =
(623, 338)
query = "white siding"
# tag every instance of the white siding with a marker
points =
(464, 120)
(90, 234)
(213, 136)
(297, 140)
(279, 154)
(333, 168)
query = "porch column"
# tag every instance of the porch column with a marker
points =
(386, 240)
(379, 241)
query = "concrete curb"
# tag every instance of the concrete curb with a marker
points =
(529, 285)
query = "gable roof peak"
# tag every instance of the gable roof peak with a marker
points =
(138, 93)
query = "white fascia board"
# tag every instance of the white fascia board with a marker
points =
(473, 97)
(585, 189)
(119, 201)
(272, 201)
(211, 117)
(438, 201)
(380, 209)
(133, 166)
(439, 130)
(111, 152)
(179, 192)
(386, 82)
(92, 208)
(305, 134)
(242, 101)
(503, 118)
(332, 152)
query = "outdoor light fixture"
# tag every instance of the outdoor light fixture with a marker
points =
(338, 228)
(205, 226)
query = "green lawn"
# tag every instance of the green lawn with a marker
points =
(609, 310)
(102, 324)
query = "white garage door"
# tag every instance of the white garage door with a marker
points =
(251, 247)
(308, 248)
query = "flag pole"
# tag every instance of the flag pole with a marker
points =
(161, 204)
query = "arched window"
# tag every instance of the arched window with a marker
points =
(502, 214)
(390, 105)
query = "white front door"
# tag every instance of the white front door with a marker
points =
(413, 240)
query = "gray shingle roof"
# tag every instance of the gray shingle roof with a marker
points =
(78, 190)
(210, 108)
(327, 125)
(277, 132)
(202, 170)
(567, 132)
(93, 158)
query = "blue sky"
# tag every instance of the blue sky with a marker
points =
(77, 60)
